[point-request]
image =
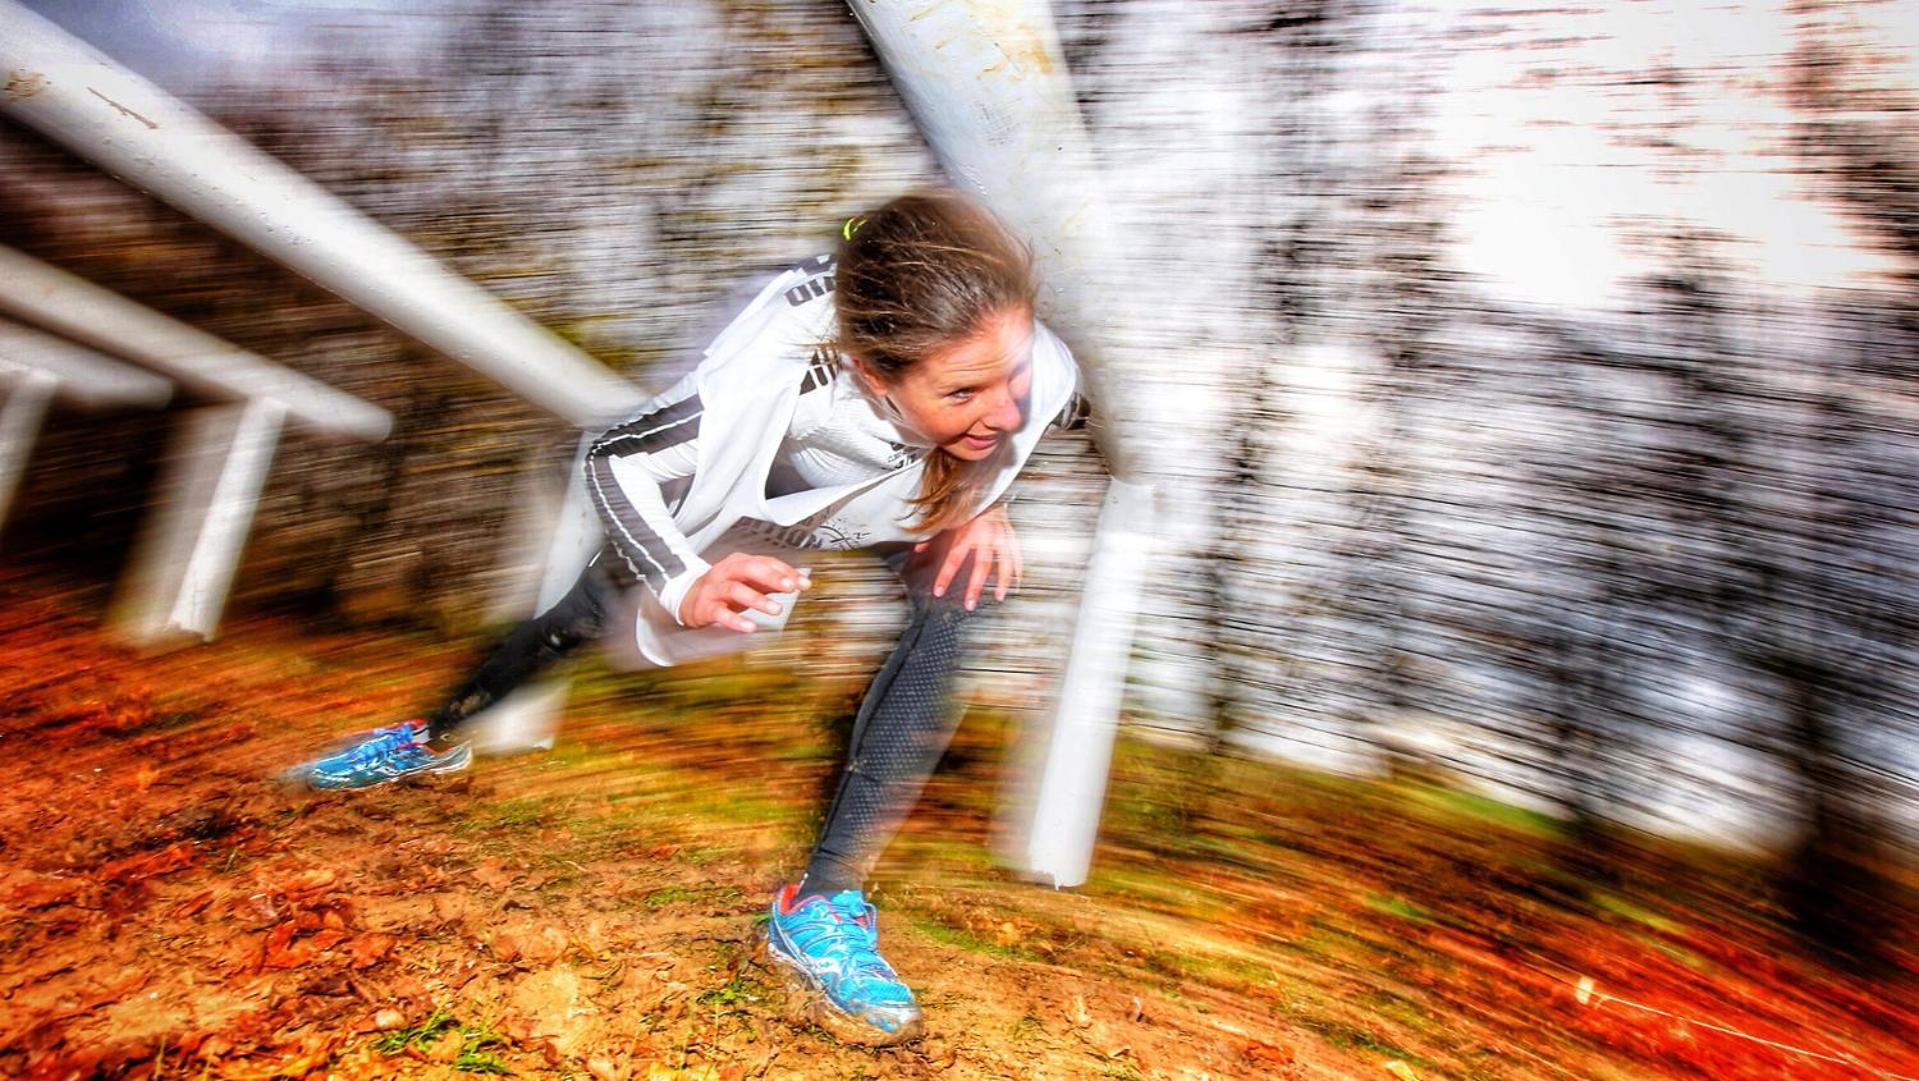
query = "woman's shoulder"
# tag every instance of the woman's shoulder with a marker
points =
(791, 314)
(1055, 372)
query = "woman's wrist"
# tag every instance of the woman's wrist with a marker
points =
(673, 593)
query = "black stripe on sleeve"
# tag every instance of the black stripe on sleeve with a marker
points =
(668, 426)
(645, 552)
(640, 546)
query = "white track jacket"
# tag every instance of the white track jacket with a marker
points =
(686, 480)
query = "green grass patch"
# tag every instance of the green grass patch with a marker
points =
(525, 812)
(1395, 905)
(962, 939)
(1457, 802)
(478, 1042)
(741, 989)
(1685, 957)
(477, 1047)
(1349, 1037)
(1619, 906)
(709, 896)
(425, 1032)
(1397, 1007)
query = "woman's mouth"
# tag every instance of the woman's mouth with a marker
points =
(979, 442)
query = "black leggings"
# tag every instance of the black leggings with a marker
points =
(531, 648)
(904, 723)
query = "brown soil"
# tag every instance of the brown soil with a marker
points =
(169, 910)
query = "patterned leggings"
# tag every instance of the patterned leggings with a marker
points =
(904, 724)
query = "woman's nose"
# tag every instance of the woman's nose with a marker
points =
(1004, 415)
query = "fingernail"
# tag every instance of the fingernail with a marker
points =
(970, 603)
(788, 584)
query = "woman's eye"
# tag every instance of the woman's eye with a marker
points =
(959, 395)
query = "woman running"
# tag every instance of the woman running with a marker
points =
(880, 398)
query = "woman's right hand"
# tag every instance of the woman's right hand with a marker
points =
(735, 584)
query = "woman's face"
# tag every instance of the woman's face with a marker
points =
(971, 395)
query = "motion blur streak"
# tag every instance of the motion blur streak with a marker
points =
(1538, 472)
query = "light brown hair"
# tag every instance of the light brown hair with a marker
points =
(924, 272)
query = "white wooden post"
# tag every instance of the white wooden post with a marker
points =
(36, 367)
(988, 85)
(1062, 822)
(224, 451)
(211, 482)
(20, 414)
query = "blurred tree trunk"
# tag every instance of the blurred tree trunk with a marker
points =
(1831, 885)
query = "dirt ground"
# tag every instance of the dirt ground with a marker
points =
(168, 910)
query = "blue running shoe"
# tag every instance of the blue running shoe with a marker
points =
(382, 756)
(832, 943)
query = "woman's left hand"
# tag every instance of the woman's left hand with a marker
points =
(989, 539)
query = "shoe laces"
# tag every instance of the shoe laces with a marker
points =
(852, 933)
(383, 742)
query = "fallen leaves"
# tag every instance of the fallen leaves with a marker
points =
(314, 1051)
(280, 951)
(359, 919)
(547, 946)
(491, 874)
(130, 873)
(1267, 1054)
(369, 949)
(1077, 1014)
(192, 906)
(22, 891)
(506, 948)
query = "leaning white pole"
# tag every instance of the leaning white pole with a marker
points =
(137, 131)
(988, 85)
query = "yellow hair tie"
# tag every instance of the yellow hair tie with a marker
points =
(852, 226)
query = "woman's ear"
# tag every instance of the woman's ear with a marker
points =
(869, 378)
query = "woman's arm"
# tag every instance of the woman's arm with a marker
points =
(663, 443)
